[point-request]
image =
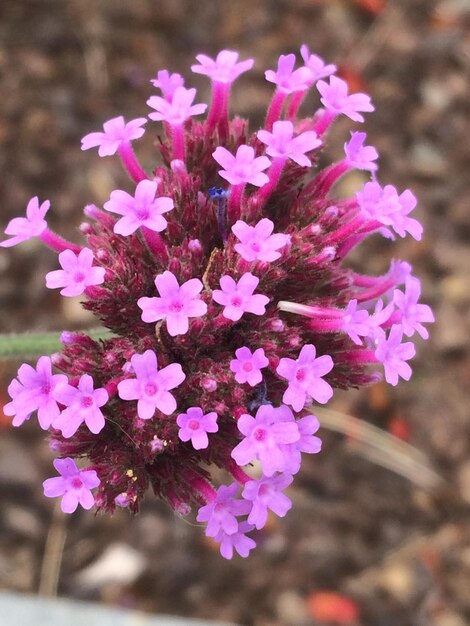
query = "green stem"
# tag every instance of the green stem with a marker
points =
(36, 344)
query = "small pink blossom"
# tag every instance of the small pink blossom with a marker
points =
(286, 78)
(73, 484)
(83, 405)
(34, 391)
(224, 69)
(247, 366)
(176, 303)
(316, 65)
(335, 98)
(178, 110)
(24, 228)
(393, 355)
(194, 426)
(265, 494)
(282, 143)
(151, 387)
(305, 378)
(242, 168)
(116, 132)
(257, 243)
(355, 322)
(386, 206)
(168, 83)
(221, 512)
(360, 156)
(142, 209)
(412, 313)
(238, 298)
(265, 437)
(77, 273)
(237, 540)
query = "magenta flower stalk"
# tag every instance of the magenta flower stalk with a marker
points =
(232, 309)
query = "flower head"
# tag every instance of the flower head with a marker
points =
(116, 132)
(238, 298)
(257, 243)
(248, 365)
(142, 209)
(73, 485)
(24, 228)
(336, 98)
(176, 303)
(242, 168)
(282, 143)
(224, 69)
(151, 387)
(77, 273)
(178, 110)
(194, 426)
(305, 376)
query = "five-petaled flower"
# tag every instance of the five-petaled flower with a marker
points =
(194, 426)
(176, 303)
(412, 314)
(224, 69)
(393, 354)
(336, 99)
(73, 484)
(286, 79)
(281, 142)
(360, 156)
(144, 209)
(257, 243)
(77, 273)
(265, 494)
(151, 386)
(177, 110)
(116, 133)
(242, 168)
(24, 228)
(238, 298)
(247, 366)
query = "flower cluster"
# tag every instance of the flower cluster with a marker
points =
(224, 281)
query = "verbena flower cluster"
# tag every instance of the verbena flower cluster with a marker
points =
(223, 275)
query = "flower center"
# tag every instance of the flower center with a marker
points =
(255, 246)
(300, 374)
(259, 433)
(236, 301)
(87, 401)
(76, 482)
(248, 366)
(193, 424)
(46, 388)
(142, 212)
(79, 277)
(176, 306)
(151, 389)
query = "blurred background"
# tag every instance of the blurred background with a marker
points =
(380, 532)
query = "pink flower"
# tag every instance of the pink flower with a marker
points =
(286, 78)
(24, 228)
(237, 540)
(142, 209)
(360, 156)
(83, 405)
(247, 366)
(387, 207)
(77, 273)
(178, 110)
(265, 435)
(316, 65)
(168, 83)
(194, 426)
(257, 243)
(355, 322)
(116, 132)
(221, 512)
(176, 304)
(335, 98)
(265, 494)
(282, 143)
(34, 391)
(242, 168)
(150, 387)
(393, 355)
(73, 485)
(225, 68)
(238, 298)
(412, 313)
(305, 378)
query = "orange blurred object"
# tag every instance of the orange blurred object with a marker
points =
(399, 427)
(333, 608)
(352, 77)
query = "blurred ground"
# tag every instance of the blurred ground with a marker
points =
(399, 552)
